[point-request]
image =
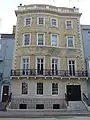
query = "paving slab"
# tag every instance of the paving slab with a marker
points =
(42, 114)
(64, 118)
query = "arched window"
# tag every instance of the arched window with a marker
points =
(24, 88)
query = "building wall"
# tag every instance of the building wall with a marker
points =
(31, 99)
(86, 39)
(6, 54)
(47, 51)
(47, 87)
(61, 51)
(85, 30)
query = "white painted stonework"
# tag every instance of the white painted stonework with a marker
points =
(31, 99)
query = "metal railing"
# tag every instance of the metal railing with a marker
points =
(85, 98)
(66, 99)
(8, 101)
(48, 72)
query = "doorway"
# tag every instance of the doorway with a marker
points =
(5, 93)
(74, 92)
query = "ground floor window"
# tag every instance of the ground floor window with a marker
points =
(23, 106)
(54, 88)
(24, 88)
(56, 106)
(39, 106)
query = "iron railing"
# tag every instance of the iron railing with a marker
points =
(66, 99)
(47, 72)
(8, 101)
(85, 98)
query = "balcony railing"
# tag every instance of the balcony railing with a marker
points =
(61, 73)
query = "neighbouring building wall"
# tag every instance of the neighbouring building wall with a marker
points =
(85, 31)
(6, 54)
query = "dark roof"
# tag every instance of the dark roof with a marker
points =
(7, 35)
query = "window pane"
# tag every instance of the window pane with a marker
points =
(41, 20)
(38, 60)
(54, 88)
(24, 88)
(68, 25)
(40, 39)
(56, 106)
(73, 61)
(25, 63)
(40, 88)
(28, 21)
(54, 40)
(53, 22)
(39, 106)
(72, 67)
(26, 39)
(70, 42)
(24, 66)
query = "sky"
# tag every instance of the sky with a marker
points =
(8, 7)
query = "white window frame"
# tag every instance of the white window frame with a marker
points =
(73, 41)
(25, 21)
(24, 39)
(43, 38)
(58, 89)
(43, 20)
(66, 24)
(75, 63)
(58, 62)
(43, 62)
(21, 88)
(56, 22)
(21, 66)
(36, 89)
(57, 40)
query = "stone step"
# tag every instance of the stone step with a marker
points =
(76, 105)
(2, 106)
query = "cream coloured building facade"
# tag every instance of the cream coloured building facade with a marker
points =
(48, 65)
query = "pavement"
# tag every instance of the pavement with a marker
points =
(43, 114)
(60, 118)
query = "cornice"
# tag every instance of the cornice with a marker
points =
(17, 12)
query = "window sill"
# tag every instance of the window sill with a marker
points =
(71, 47)
(26, 46)
(55, 94)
